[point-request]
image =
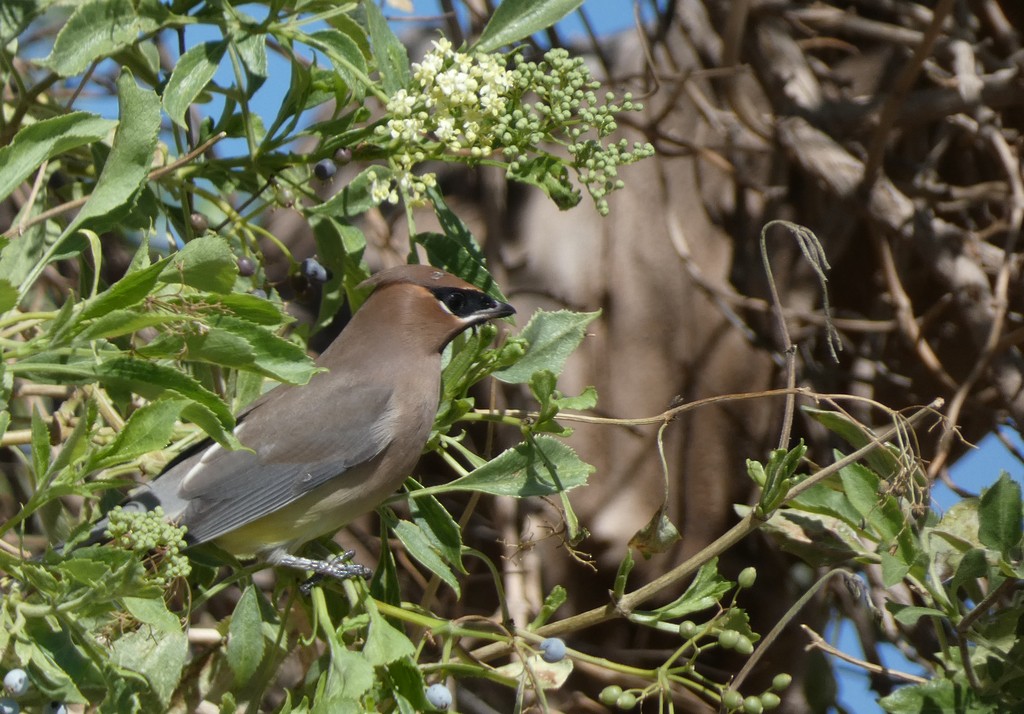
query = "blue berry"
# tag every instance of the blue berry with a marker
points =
(55, 708)
(325, 169)
(246, 268)
(9, 706)
(313, 271)
(552, 649)
(16, 682)
(439, 696)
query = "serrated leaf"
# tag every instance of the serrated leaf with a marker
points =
(156, 654)
(392, 58)
(96, 29)
(124, 322)
(193, 71)
(206, 263)
(514, 20)
(245, 637)
(552, 337)
(148, 429)
(439, 526)
(147, 379)
(385, 643)
(127, 291)
(152, 611)
(1000, 515)
(420, 547)
(35, 143)
(130, 157)
(344, 54)
(252, 48)
(542, 467)
(349, 678)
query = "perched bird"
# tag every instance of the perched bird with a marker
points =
(328, 451)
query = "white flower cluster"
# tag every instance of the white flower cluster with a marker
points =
(456, 98)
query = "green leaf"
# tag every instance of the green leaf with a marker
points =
(339, 247)
(245, 637)
(392, 59)
(35, 143)
(542, 467)
(96, 29)
(909, 614)
(127, 165)
(344, 54)
(40, 447)
(817, 539)
(8, 295)
(552, 337)
(252, 48)
(156, 654)
(148, 429)
(206, 263)
(705, 591)
(514, 20)
(193, 71)
(1000, 525)
(349, 678)
(936, 696)
(457, 251)
(127, 291)
(15, 16)
(439, 526)
(420, 547)
(861, 486)
(385, 643)
(550, 175)
(124, 322)
(893, 569)
(883, 461)
(152, 611)
(147, 379)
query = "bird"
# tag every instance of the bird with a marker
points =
(323, 453)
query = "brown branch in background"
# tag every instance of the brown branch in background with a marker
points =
(898, 92)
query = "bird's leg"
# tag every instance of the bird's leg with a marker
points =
(337, 567)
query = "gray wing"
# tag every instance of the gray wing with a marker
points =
(217, 490)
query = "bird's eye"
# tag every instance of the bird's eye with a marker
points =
(455, 302)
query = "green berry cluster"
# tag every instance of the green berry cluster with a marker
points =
(471, 107)
(148, 532)
(567, 110)
(733, 701)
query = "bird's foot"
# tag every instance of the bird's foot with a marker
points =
(338, 568)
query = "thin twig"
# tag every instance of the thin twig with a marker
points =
(818, 642)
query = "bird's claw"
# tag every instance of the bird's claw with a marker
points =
(338, 568)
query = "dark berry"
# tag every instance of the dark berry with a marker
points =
(325, 169)
(199, 222)
(246, 268)
(314, 272)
